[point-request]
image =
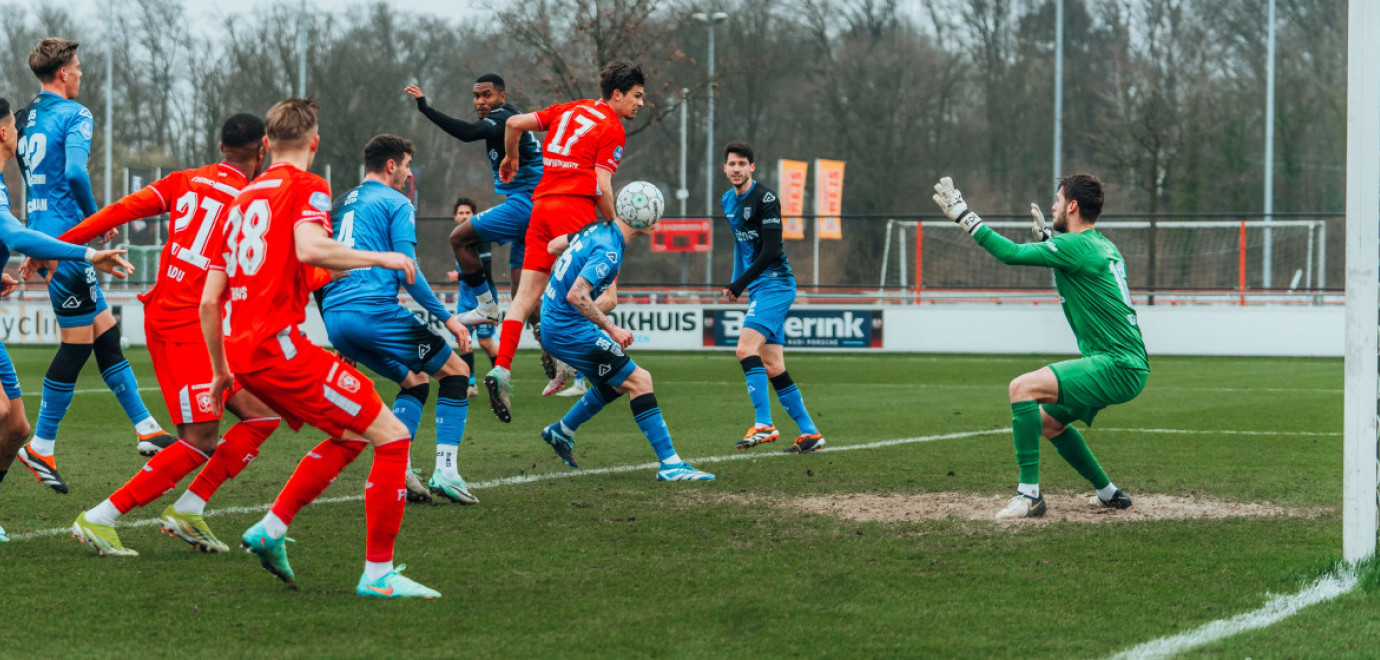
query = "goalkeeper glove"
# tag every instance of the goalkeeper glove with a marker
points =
(950, 200)
(1041, 231)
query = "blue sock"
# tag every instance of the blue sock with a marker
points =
(408, 407)
(757, 388)
(648, 417)
(120, 379)
(587, 407)
(794, 404)
(58, 386)
(452, 410)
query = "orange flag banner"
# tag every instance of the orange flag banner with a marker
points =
(790, 182)
(828, 198)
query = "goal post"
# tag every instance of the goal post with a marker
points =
(1362, 366)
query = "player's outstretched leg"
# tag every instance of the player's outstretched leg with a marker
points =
(58, 387)
(119, 377)
(452, 411)
(561, 435)
(647, 414)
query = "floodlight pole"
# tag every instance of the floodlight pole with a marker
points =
(109, 98)
(1359, 480)
(682, 194)
(1058, 93)
(712, 21)
(1269, 152)
(302, 50)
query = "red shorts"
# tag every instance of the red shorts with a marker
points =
(554, 216)
(184, 375)
(310, 385)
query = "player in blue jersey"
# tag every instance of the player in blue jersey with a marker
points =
(14, 425)
(760, 268)
(580, 334)
(465, 208)
(54, 143)
(366, 323)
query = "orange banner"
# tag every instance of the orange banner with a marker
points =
(790, 182)
(828, 198)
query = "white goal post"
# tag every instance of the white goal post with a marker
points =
(1359, 463)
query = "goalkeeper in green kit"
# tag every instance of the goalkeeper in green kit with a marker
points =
(1091, 278)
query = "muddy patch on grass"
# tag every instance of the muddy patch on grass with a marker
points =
(870, 507)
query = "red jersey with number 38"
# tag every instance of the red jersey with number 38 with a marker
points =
(269, 289)
(199, 200)
(580, 136)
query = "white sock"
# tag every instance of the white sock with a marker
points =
(445, 460)
(1032, 490)
(41, 446)
(374, 570)
(275, 526)
(566, 430)
(104, 513)
(673, 459)
(760, 426)
(485, 298)
(1105, 494)
(190, 503)
(147, 427)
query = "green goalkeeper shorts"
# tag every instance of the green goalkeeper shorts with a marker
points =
(1087, 385)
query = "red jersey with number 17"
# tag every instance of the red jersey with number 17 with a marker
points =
(269, 287)
(580, 136)
(199, 200)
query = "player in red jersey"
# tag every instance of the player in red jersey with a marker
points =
(279, 227)
(199, 199)
(584, 144)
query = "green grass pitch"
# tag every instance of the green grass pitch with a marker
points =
(615, 564)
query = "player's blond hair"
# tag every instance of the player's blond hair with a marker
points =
(291, 123)
(49, 56)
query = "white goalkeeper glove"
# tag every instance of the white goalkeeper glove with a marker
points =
(1040, 230)
(950, 200)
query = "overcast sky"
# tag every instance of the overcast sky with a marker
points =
(202, 12)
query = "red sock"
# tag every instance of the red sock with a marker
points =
(385, 497)
(317, 470)
(158, 476)
(237, 448)
(508, 342)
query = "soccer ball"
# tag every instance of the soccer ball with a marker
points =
(640, 204)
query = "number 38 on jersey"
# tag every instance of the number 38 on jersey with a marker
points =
(244, 240)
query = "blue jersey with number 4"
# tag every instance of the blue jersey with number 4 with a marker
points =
(54, 144)
(595, 254)
(377, 218)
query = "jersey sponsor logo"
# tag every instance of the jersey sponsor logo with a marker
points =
(768, 198)
(320, 201)
(558, 163)
(604, 369)
(617, 154)
(771, 221)
(746, 236)
(602, 270)
(71, 303)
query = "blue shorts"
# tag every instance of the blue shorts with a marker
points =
(75, 294)
(9, 378)
(507, 223)
(391, 341)
(768, 301)
(590, 351)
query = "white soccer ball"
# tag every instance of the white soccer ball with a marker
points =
(640, 204)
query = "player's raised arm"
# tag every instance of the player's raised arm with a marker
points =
(458, 128)
(316, 247)
(145, 203)
(512, 136)
(41, 246)
(1047, 254)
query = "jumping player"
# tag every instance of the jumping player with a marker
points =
(278, 229)
(581, 335)
(761, 269)
(198, 199)
(584, 145)
(366, 323)
(14, 426)
(54, 143)
(1091, 278)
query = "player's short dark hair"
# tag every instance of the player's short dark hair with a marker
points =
(4, 107)
(464, 201)
(49, 56)
(742, 149)
(620, 76)
(290, 122)
(1087, 191)
(491, 78)
(242, 130)
(383, 148)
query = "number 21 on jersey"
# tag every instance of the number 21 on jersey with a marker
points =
(187, 208)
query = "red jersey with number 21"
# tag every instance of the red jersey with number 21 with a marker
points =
(269, 287)
(580, 136)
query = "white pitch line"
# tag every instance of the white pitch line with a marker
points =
(1278, 608)
(1208, 432)
(529, 478)
(31, 392)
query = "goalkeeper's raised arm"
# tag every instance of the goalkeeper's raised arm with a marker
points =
(1044, 253)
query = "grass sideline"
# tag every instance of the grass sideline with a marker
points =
(616, 564)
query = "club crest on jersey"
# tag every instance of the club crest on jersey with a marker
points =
(320, 201)
(348, 382)
(747, 212)
(203, 402)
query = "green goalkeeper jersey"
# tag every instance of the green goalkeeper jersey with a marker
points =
(1091, 278)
